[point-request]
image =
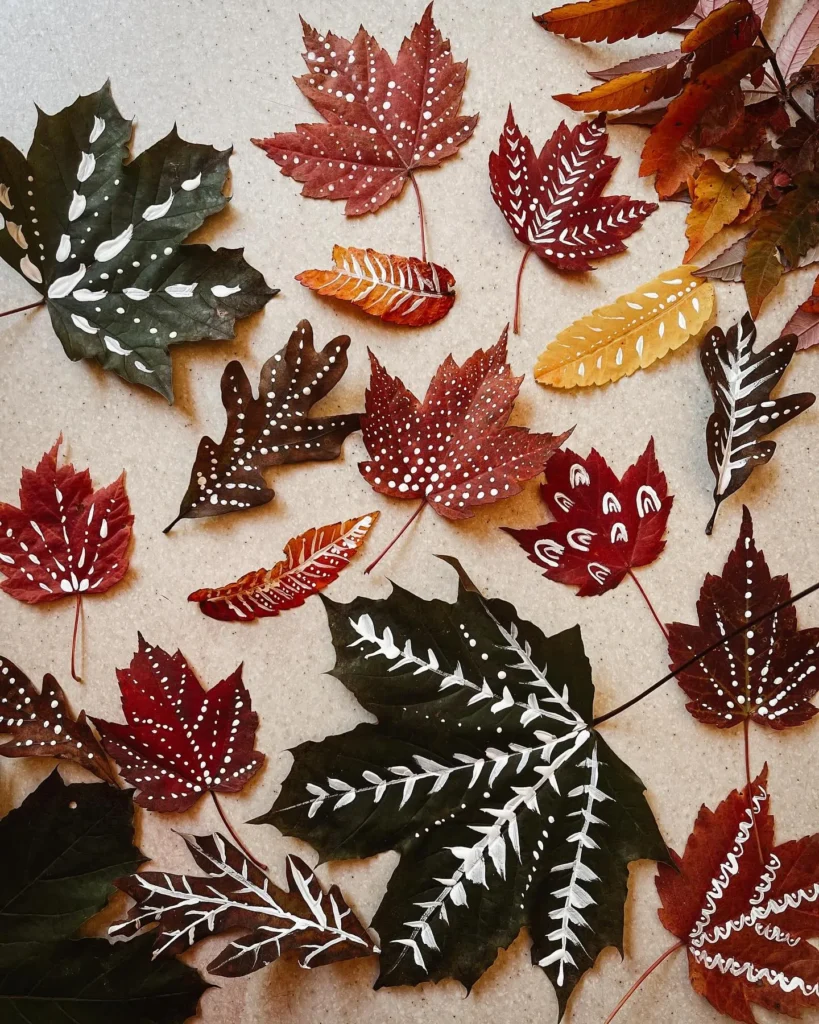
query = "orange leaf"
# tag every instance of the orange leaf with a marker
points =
(627, 91)
(717, 22)
(399, 289)
(719, 197)
(596, 20)
(311, 562)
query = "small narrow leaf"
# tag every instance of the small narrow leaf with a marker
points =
(629, 90)
(645, 63)
(719, 197)
(612, 20)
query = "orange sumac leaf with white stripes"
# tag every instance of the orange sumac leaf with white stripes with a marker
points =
(311, 562)
(398, 289)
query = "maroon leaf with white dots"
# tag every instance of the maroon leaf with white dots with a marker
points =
(384, 119)
(769, 672)
(180, 741)
(272, 430)
(41, 724)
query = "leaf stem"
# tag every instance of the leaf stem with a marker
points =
(170, 526)
(641, 979)
(403, 529)
(516, 320)
(704, 653)
(421, 216)
(77, 608)
(647, 600)
(709, 526)
(22, 309)
(236, 838)
(780, 79)
(746, 728)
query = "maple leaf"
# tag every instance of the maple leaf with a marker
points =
(312, 561)
(385, 119)
(180, 742)
(553, 202)
(65, 539)
(741, 383)
(398, 289)
(805, 321)
(274, 429)
(485, 774)
(634, 89)
(318, 925)
(745, 923)
(719, 197)
(768, 673)
(603, 527)
(612, 20)
(101, 240)
(633, 332)
(41, 724)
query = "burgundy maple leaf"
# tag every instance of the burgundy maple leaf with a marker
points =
(767, 673)
(65, 539)
(384, 119)
(554, 203)
(603, 527)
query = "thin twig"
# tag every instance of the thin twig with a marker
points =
(647, 600)
(236, 838)
(405, 527)
(516, 320)
(74, 639)
(421, 216)
(783, 86)
(22, 309)
(641, 979)
(746, 729)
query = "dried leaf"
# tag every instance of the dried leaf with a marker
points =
(612, 20)
(719, 198)
(647, 62)
(312, 561)
(799, 40)
(632, 332)
(731, 27)
(398, 289)
(630, 90)
(805, 321)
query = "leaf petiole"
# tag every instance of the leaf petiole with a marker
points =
(421, 217)
(647, 600)
(746, 728)
(641, 979)
(77, 610)
(516, 321)
(22, 309)
(234, 835)
(397, 537)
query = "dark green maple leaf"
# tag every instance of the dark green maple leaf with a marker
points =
(485, 774)
(101, 240)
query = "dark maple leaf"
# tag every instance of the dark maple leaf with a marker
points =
(603, 527)
(744, 923)
(41, 724)
(768, 673)
(319, 926)
(741, 382)
(180, 742)
(612, 20)
(384, 119)
(274, 429)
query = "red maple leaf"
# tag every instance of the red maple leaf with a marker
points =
(745, 922)
(180, 742)
(65, 539)
(384, 119)
(767, 673)
(554, 203)
(603, 527)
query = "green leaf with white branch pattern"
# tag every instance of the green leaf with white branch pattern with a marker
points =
(485, 774)
(101, 240)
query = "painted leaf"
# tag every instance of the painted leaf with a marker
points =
(553, 202)
(101, 240)
(719, 197)
(311, 562)
(741, 382)
(602, 527)
(745, 923)
(398, 289)
(275, 429)
(41, 724)
(234, 894)
(767, 673)
(454, 449)
(805, 321)
(800, 39)
(484, 773)
(630, 90)
(612, 20)
(634, 331)
(384, 119)
(180, 741)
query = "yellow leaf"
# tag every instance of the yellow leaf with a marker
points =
(632, 332)
(719, 198)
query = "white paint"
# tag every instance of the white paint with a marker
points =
(181, 291)
(113, 247)
(84, 295)
(221, 291)
(142, 367)
(159, 209)
(83, 324)
(97, 130)
(137, 294)
(62, 286)
(87, 164)
(192, 183)
(114, 346)
(5, 199)
(30, 271)
(63, 249)
(16, 233)
(77, 207)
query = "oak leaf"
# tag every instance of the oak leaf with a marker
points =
(719, 197)
(612, 20)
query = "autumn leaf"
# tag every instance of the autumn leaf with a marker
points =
(384, 119)
(234, 894)
(767, 673)
(805, 321)
(633, 332)
(101, 240)
(628, 91)
(312, 561)
(612, 20)
(799, 40)
(398, 289)
(742, 380)
(719, 197)
(603, 527)
(274, 429)
(730, 28)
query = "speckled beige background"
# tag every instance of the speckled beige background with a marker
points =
(223, 72)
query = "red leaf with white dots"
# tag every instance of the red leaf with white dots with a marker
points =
(66, 539)
(384, 119)
(603, 527)
(453, 450)
(767, 673)
(180, 741)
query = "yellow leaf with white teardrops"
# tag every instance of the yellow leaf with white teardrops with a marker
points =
(632, 332)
